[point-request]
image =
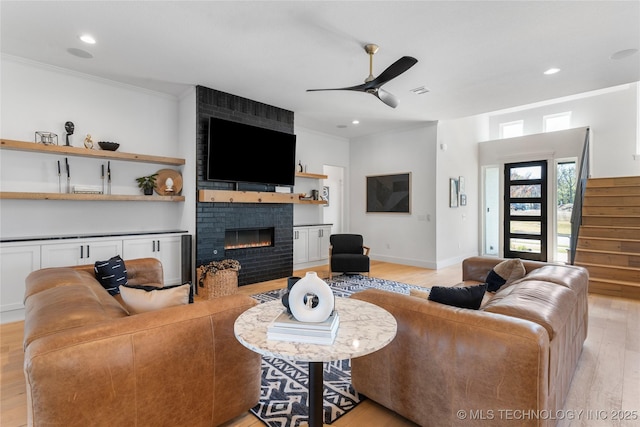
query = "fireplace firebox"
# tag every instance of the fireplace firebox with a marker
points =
(241, 238)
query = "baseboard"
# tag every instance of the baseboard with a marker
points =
(404, 261)
(12, 316)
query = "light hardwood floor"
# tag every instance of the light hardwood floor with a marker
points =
(607, 378)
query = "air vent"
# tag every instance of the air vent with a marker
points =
(420, 90)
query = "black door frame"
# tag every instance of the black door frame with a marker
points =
(512, 215)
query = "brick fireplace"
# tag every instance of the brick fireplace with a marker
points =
(218, 223)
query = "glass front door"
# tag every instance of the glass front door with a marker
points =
(525, 210)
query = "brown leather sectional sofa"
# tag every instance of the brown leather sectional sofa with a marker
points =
(89, 363)
(510, 363)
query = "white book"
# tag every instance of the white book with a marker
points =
(286, 328)
(286, 320)
(274, 329)
(302, 338)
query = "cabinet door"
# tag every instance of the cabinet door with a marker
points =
(300, 245)
(315, 234)
(79, 252)
(325, 233)
(166, 249)
(101, 250)
(170, 251)
(16, 262)
(139, 248)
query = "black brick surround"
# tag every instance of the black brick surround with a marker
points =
(257, 264)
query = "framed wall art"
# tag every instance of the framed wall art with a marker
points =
(325, 194)
(389, 193)
(453, 193)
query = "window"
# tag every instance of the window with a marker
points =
(560, 121)
(511, 129)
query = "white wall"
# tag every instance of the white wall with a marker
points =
(396, 237)
(458, 228)
(314, 150)
(37, 97)
(612, 115)
(187, 125)
(549, 146)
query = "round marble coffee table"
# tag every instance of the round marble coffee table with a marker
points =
(364, 328)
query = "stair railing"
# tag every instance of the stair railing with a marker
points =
(576, 212)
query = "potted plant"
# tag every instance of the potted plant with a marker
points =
(147, 183)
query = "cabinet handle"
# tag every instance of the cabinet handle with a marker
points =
(154, 246)
(81, 251)
(158, 245)
(88, 256)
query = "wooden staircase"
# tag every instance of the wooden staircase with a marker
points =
(609, 239)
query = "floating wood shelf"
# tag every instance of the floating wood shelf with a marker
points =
(311, 175)
(90, 197)
(8, 144)
(230, 196)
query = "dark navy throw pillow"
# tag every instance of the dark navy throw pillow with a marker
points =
(111, 274)
(463, 297)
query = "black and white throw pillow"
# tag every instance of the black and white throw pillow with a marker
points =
(111, 274)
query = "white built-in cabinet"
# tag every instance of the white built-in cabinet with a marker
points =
(310, 245)
(18, 259)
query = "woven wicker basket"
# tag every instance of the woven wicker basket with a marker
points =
(220, 283)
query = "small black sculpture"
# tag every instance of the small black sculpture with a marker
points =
(285, 296)
(69, 127)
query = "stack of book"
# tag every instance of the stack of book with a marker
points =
(285, 327)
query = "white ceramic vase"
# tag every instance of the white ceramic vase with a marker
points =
(302, 304)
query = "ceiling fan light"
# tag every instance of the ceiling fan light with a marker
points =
(88, 39)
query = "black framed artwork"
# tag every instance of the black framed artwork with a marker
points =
(389, 193)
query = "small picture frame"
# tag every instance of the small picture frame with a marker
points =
(453, 193)
(324, 196)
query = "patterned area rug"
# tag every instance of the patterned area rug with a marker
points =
(284, 392)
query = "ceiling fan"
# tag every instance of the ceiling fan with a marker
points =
(373, 84)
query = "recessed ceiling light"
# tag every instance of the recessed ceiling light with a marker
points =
(552, 71)
(79, 53)
(87, 39)
(624, 53)
(355, 122)
(341, 126)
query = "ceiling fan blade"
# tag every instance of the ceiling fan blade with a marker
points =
(360, 88)
(393, 71)
(387, 98)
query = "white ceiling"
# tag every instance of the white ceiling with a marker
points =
(474, 56)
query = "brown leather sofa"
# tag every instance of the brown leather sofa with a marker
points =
(89, 363)
(510, 363)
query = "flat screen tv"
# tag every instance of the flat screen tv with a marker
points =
(242, 153)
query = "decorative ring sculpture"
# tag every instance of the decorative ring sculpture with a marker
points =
(303, 305)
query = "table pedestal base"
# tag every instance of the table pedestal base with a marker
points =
(316, 386)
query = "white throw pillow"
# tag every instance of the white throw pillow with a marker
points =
(140, 300)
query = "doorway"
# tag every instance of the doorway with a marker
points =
(525, 210)
(333, 190)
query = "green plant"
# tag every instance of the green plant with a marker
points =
(147, 182)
